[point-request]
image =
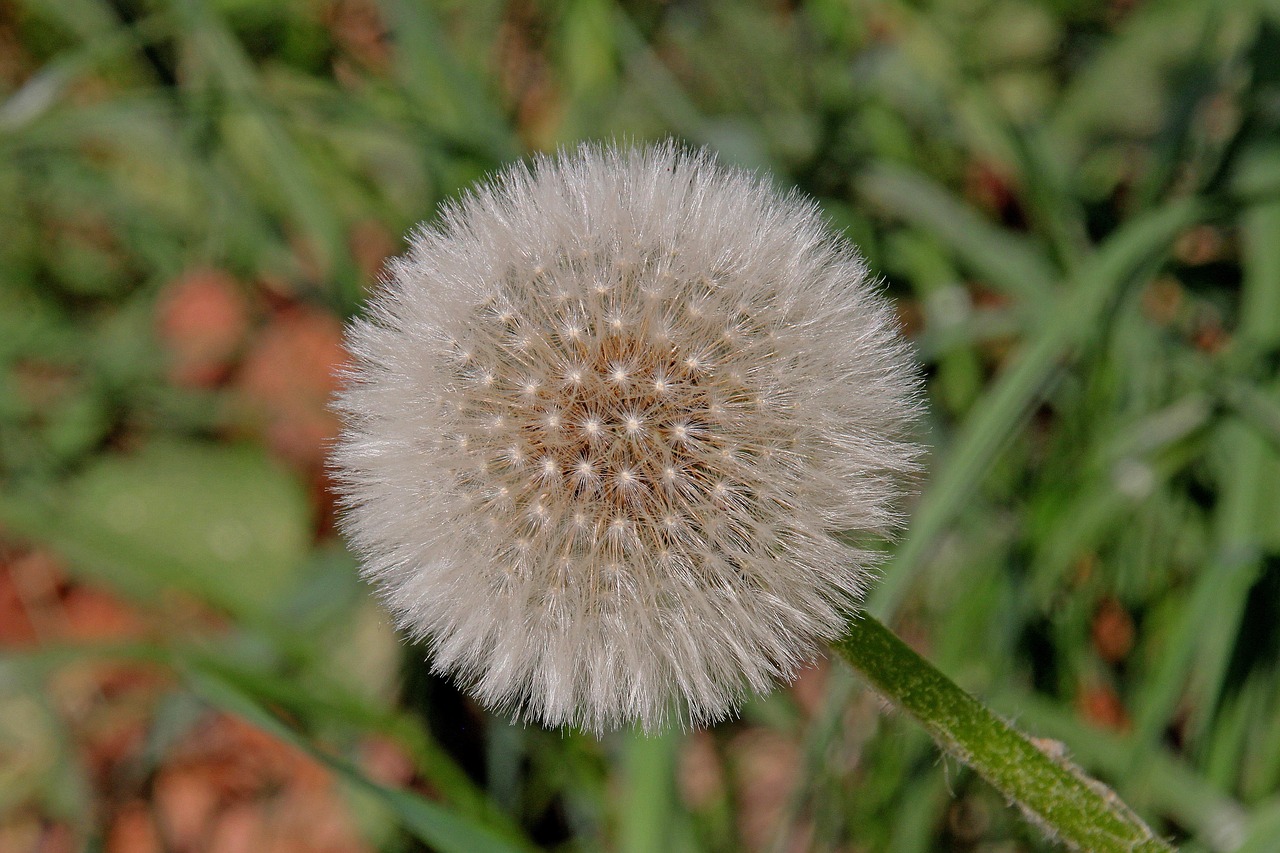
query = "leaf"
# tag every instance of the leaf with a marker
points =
(225, 524)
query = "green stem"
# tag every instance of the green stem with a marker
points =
(1052, 792)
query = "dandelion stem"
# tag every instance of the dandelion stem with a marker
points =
(1053, 792)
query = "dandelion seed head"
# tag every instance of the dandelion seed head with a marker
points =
(604, 420)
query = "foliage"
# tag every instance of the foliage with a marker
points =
(1076, 205)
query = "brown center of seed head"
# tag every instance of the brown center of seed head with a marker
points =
(605, 431)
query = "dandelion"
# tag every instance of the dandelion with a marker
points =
(604, 423)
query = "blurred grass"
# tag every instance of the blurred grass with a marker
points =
(1076, 205)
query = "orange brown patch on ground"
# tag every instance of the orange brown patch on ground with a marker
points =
(385, 761)
(358, 28)
(1199, 245)
(288, 377)
(810, 686)
(699, 775)
(1162, 299)
(766, 765)
(371, 244)
(230, 787)
(226, 787)
(202, 319)
(1112, 631)
(1100, 705)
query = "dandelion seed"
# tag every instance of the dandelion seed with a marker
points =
(584, 474)
(593, 427)
(604, 419)
(632, 424)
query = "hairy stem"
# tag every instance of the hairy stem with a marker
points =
(1052, 792)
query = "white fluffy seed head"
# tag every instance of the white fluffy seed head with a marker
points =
(604, 419)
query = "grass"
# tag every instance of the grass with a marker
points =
(1076, 206)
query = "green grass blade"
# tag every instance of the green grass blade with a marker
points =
(995, 416)
(646, 813)
(1009, 263)
(447, 98)
(1247, 487)
(254, 130)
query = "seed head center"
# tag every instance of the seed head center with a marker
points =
(589, 431)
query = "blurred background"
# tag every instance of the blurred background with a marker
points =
(1075, 204)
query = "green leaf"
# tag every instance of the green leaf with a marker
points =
(223, 523)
